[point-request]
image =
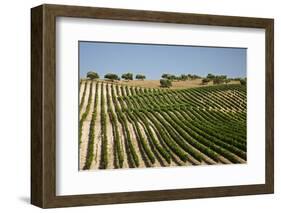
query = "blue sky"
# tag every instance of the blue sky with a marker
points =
(154, 60)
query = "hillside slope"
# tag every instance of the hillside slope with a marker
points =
(128, 127)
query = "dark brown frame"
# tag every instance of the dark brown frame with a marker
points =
(43, 105)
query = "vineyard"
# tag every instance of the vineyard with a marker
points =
(129, 127)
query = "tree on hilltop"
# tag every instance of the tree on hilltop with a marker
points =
(205, 81)
(127, 76)
(92, 75)
(140, 77)
(210, 76)
(183, 77)
(165, 83)
(169, 76)
(111, 76)
(243, 81)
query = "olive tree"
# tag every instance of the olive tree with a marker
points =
(127, 76)
(169, 76)
(92, 75)
(243, 81)
(111, 76)
(205, 80)
(140, 77)
(165, 83)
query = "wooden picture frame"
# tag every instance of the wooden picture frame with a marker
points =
(43, 105)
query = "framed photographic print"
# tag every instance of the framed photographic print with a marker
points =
(136, 106)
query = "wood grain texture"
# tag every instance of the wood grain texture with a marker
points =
(43, 105)
(36, 106)
(269, 115)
